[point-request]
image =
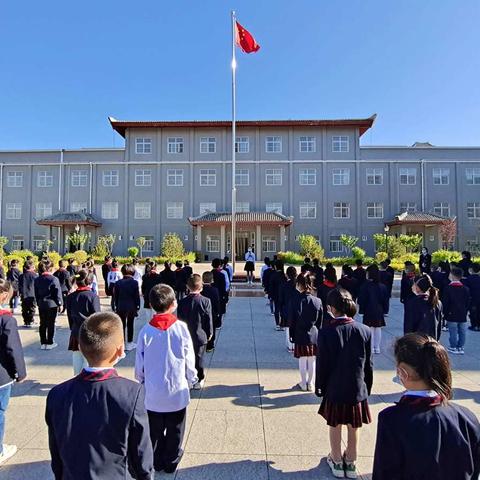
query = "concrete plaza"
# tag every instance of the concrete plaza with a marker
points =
(247, 422)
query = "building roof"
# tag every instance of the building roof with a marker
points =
(245, 218)
(70, 218)
(363, 124)
(418, 218)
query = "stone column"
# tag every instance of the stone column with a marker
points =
(223, 241)
(258, 242)
(282, 238)
(199, 238)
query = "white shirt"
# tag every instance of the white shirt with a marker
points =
(262, 270)
(227, 279)
(138, 277)
(250, 257)
(421, 393)
(114, 277)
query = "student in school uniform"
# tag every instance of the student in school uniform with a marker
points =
(266, 280)
(265, 266)
(65, 281)
(12, 362)
(228, 268)
(26, 289)
(196, 311)
(149, 280)
(425, 261)
(90, 266)
(317, 270)
(287, 294)
(114, 275)
(373, 303)
(180, 280)
(329, 283)
(97, 422)
(210, 291)
(386, 277)
(167, 275)
(439, 277)
(305, 318)
(13, 274)
(165, 365)
(389, 269)
(276, 281)
(473, 283)
(465, 263)
(71, 267)
(127, 303)
(220, 282)
(106, 267)
(48, 295)
(138, 274)
(250, 265)
(307, 266)
(360, 274)
(425, 435)
(344, 378)
(188, 269)
(347, 282)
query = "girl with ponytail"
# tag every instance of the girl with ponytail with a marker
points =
(425, 435)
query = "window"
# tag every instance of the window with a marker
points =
(208, 145)
(340, 143)
(14, 211)
(208, 207)
(473, 210)
(143, 178)
(374, 176)
(175, 178)
(143, 145)
(473, 176)
(18, 242)
(273, 176)
(242, 177)
(307, 176)
(441, 176)
(110, 178)
(79, 178)
(213, 243)
(38, 243)
(341, 210)
(78, 207)
(110, 210)
(307, 144)
(208, 178)
(174, 209)
(273, 144)
(374, 210)
(15, 179)
(242, 207)
(335, 244)
(308, 209)
(242, 145)
(269, 243)
(274, 207)
(410, 207)
(43, 210)
(341, 176)
(441, 208)
(142, 210)
(148, 247)
(175, 144)
(45, 179)
(408, 176)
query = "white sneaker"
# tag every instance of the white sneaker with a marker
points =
(460, 351)
(336, 468)
(130, 346)
(8, 452)
(310, 387)
(52, 346)
(43, 347)
(198, 385)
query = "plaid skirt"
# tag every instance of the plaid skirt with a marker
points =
(304, 351)
(342, 414)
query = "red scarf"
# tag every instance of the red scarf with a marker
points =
(6, 312)
(421, 402)
(340, 321)
(163, 321)
(329, 284)
(83, 289)
(456, 283)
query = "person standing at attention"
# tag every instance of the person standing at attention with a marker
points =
(250, 265)
(65, 280)
(26, 289)
(473, 283)
(425, 261)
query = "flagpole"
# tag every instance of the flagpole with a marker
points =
(234, 190)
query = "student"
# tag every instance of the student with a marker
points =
(48, 295)
(13, 274)
(114, 275)
(149, 280)
(329, 283)
(65, 281)
(439, 277)
(389, 269)
(347, 282)
(344, 378)
(305, 317)
(97, 423)
(27, 293)
(167, 275)
(71, 267)
(219, 281)
(210, 291)
(307, 266)
(165, 364)
(127, 303)
(456, 302)
(425, 435)
(287, 294)
(90, 266)
(406, 284)
(250, 265)
(373, 303)
(276, 282)
(228, 268)
(12, 363)
(138, 274)
(465, 263)
(425, 261)
(180, 280)
(267, 276)
(386, 277)
(196, 311)
(106, 267)
(359, 273)
(188, 269)
(317, 270)
(265, 266)
(81, 303)
(473, 283)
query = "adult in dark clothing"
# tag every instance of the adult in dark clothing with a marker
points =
(473, 283)
(48, 295)
(287, 294)
(65, 280)
(347, 282)
(425, 261)
(219, 281)
(26, 289)
(181, 277)
(13, 276)
(149, 279)
(359, 274)
(210, 291)
(276, 282)
(106, 267)
(425, 435)
(465, 263)
(167, 275)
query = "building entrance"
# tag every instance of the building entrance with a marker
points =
(243, 241)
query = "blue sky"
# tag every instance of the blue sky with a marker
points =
(65, 66)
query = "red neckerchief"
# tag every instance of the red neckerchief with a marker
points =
(114, 270)
(329, 284)
(83, 289)
(335, 322)
(163, 321)
(98, 376)
(411, 274)
(5, 312)
(456, 283)
(178, 269)
(62, 269)
(420, 402)
(46, 273)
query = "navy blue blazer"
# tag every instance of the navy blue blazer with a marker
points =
(167, 276)
(196, 311)
(456, 302)
(48, 291)
(373, 301)
(211, 292)
(473, 283)
(149, 280)
(80, 305)
(98, 428)
(421, 317)
(287, 294)
(65, 279)
(13, 275)
(406, 287)
(440, 280)
(26, 284)
(126, 295)
(360, 275)
(305, 318)
(12, 362)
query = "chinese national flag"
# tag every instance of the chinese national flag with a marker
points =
(244, 39)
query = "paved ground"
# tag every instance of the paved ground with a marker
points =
(247, 423)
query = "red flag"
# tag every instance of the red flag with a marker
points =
(244, 39)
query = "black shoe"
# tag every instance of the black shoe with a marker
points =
(475, 329)
(173, 466)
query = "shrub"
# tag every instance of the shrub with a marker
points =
(80, 256)
(310, 247)
(100, 251)
(411, 243)
(395, 247)
(24, 254)
(358, 252)
(172, 246)
(349, 241)
(54, 257)
(381, 256)
(446, 256)
(141, 241)
(133, 251)
(3, 242)
(12, 256)
(291, 258)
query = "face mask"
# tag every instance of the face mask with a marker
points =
(402, 375)
(249, 250)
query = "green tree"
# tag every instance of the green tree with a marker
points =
(172, 247)
(105, 244)
(3, 242)
(310, 247)
(395, 248)
(411, 243)
(141, 241)
(348, 241)
(133, 251)
(77, 239)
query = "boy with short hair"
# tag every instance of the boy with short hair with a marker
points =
(165, 364)
(65, 280)
(27, 293)
(211, 291)
(97, 423)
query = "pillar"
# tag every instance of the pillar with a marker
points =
(258, 242)
(282, 238)
(222, 241)
(199, 238)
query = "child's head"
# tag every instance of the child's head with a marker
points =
(340, 303)
(207, 278)
(6, 291)
(162, 298)
(45, 266)
(358, 262)
(179, 264)
(128, 270)
(186, 263)
(83, 278)
(382, 266)
(347, 270)
(134, 261)
(423, 362)
(291, 273)
(225, 260)
(101, 339)
(266, 260)
(279, 266)
(373, 272)
(114, 263)
(71, 260)
(167, 265)
(474, 269)
(194, 283)
(409, 267)
(305, 283)
(306, 260)
(14, 263)
(466, 255)
(316, 262)
(107, 258)
(456, 274)
(216, 263)
(424, 284)
(424, 250)
(29, 265)
(62, 264)
(330, 274)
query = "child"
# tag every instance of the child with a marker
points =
(127, 302)
(373, 302)
(13, 276)
(344, 379)
(439, 277)
(360, 274)
(265, 266)
(114, 275)
(220, 281)
(317, 270)
(276, 281)
(347, 282)
(27, 293)
(425, 435)
(12, 363)
(250, 265)
(165, 364)
(196, 311)
(167, 275)
(473, 283)
(210, 291)
(268, 273)
(138, 274)
(48, 294)
(149, 280)
(106, 267)
(465, 263)
(65, 280)
(81, 303)
(228, 268)
(287, 294)
(305, 318)
(71, 267)
(181, 277)
(188, 269)
(386, 278)
(97, 423)
(329, 283)
(456, 301)
(90, 266)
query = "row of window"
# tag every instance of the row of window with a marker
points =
(273, 144)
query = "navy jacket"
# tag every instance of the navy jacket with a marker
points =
(26, 284)
(126, 295)
(344, 369)
(421, 317)
(465, 265)
(13, 275)
(196, 311)
(48, 291)
(473, 283)
(287, 294)
(417, 440)
(425, 263)
(149, 280)
(181, 277)
(277, 279)
(456, 302)
(221, 284)
(360, 274)
(440, 280)
(406, 287)
(80, 305)
(65, 279)
(106, 267)
(98, 428)
(323, 291)
(12, 363)
(305, 318)
(349, 284)
(386, 278)
(211, 292)
(373, 301)
(267, 276)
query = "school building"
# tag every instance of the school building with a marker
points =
(292, 177)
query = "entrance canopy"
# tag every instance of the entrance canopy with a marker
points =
(241, 218)
(70, 218)
(418, 218)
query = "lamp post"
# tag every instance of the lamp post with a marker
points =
(386, 228)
